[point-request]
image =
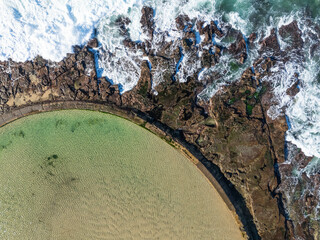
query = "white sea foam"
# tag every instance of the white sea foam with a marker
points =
(116, 59)
(237, 22)
(304, 113)
(282, 79)
(31, 28)
(50, 29)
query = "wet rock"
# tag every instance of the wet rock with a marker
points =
(270, 44)
(122, 23)
(217, 31)
(239, 49)
(140, 97)
(301, 205)
(147, 23)
(276, 128)
(39, 62)
(291, 34)
(294, 89)
(207, 59)
(182, 21)
(167, 66)
(209, 31)
(252, 37)
(93, 43)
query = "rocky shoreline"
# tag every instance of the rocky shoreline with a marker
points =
(231, 133)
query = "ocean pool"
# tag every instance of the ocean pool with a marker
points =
(78, 174)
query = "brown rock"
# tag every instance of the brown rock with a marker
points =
(218, 32)
(270, 43)
(93, 43)
(147, 23)
(239, 49)
(294, 34)
(293, 90)
(252, 37)
(182, 21)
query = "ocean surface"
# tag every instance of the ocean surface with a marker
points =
(50, 29)
(87, 175)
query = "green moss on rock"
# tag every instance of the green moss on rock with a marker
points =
(249, 109)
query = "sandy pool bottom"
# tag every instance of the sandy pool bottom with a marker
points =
(89, 175)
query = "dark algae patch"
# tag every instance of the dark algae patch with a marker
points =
(54, 156)
(19, 134)
(144, 89)
(75, 126)
(52, 160)
(249, 109)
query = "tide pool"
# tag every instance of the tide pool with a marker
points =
(88, 175)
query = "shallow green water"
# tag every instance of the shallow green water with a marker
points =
(88, 175)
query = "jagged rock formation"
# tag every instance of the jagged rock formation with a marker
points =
(232, 129)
